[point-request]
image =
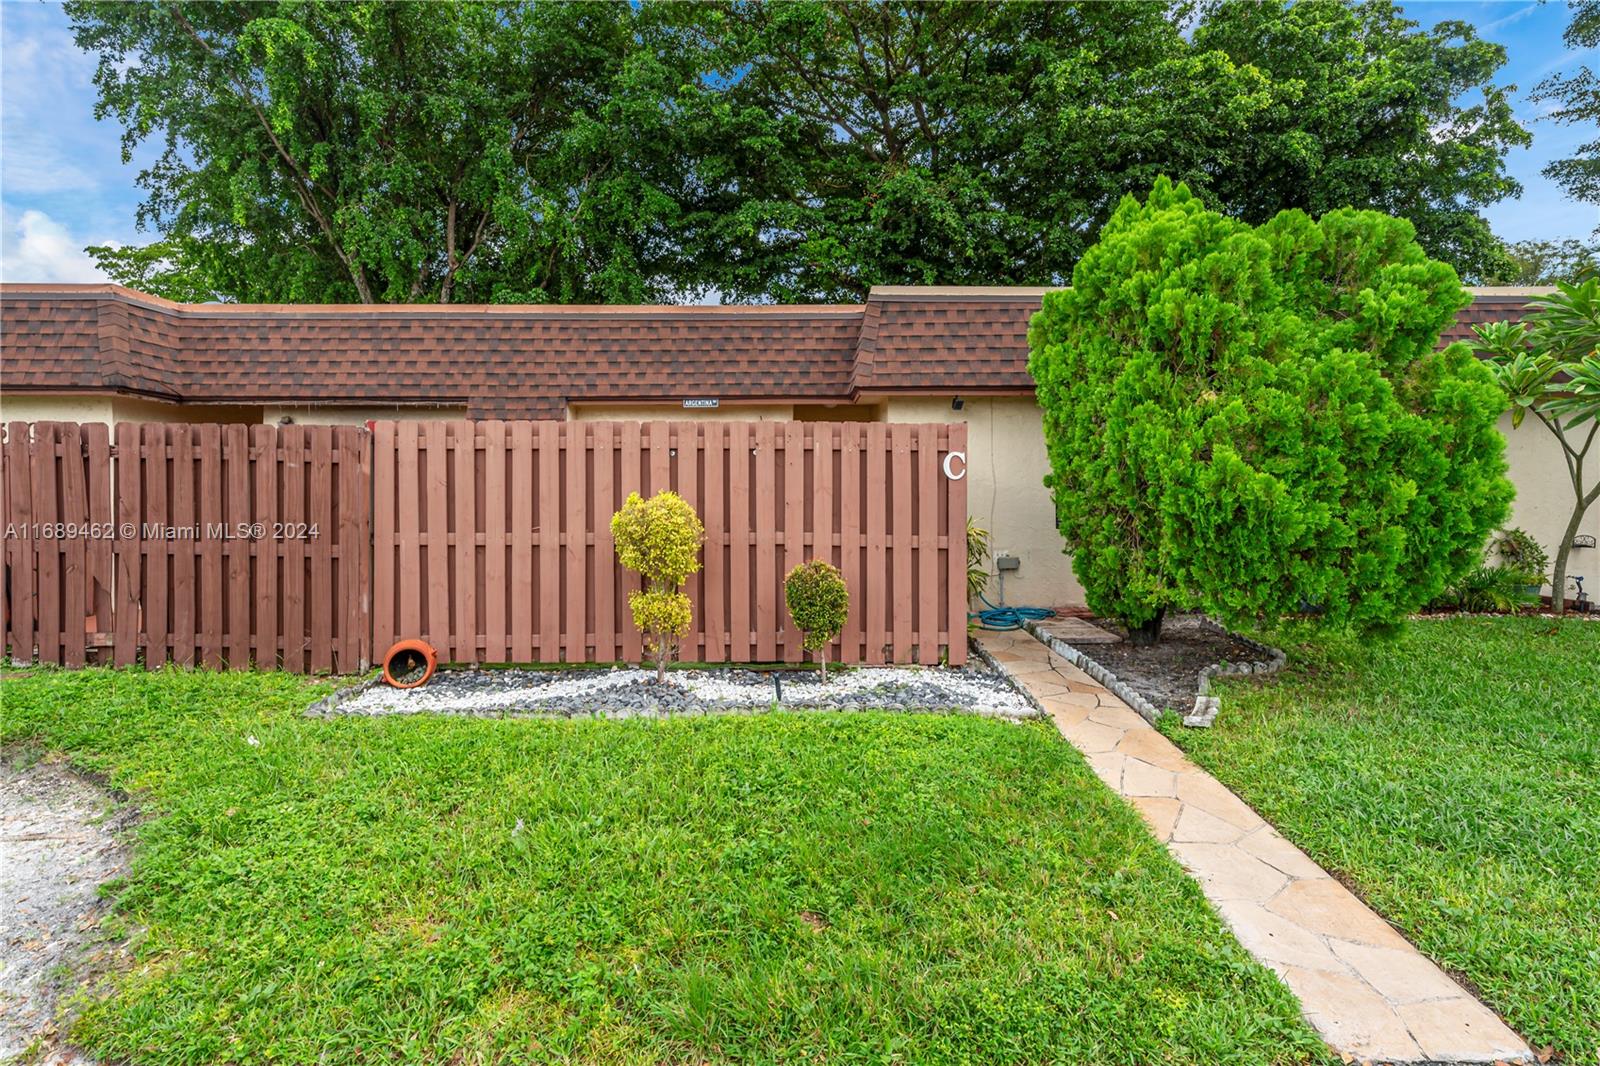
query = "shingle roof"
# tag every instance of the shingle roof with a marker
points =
(528, 361)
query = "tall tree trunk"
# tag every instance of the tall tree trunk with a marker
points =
(822, 657)
(1558, 574)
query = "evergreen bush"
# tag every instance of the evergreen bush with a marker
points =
(1258, 421)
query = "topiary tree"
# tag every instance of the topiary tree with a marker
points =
(1258, 421)
(819, 603)
(660, 538)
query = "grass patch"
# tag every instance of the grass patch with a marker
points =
(842, 888)
(1453, 776)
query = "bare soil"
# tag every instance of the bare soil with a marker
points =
(1167, 673)
(60, 840)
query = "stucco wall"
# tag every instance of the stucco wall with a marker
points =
(1545, 497)
(1006, 465)
(356, 416)
(26, 407)
(671, 412)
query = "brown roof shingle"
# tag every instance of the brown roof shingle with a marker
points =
(529, 361)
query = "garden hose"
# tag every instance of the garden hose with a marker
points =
(1003, 618)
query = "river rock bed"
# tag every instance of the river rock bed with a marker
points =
(633, 693)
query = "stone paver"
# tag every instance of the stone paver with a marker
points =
(1366, 990)
(1078, 631)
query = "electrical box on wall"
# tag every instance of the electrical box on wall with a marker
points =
(1006, 561)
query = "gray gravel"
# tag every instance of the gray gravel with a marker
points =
(631, 693)
(58, 844)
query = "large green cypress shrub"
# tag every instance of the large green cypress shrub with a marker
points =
(1256, 421)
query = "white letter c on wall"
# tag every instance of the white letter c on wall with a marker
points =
(949, 470)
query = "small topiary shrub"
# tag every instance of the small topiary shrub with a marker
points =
(819, 603)
(660, 538)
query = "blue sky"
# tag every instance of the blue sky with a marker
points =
(63, 184)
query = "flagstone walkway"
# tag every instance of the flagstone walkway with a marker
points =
(1365, 989)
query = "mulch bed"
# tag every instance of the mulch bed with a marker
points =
(1168, 672)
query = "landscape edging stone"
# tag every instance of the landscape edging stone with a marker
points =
(976, 648)
(1119, 688)
(1206, 705)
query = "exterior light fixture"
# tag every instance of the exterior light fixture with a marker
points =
(957, 404)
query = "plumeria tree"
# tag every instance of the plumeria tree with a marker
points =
(1549, 365)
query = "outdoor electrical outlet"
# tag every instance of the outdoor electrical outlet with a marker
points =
(1006, 561)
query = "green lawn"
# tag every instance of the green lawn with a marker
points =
(818, 888)
(1453, 777)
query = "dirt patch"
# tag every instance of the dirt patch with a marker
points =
(59, 842)
(1168, 672)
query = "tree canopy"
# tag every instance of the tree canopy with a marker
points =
(381, 152)
(792, 151)
(1548, 262)
(1577, 103)
(1257, 421)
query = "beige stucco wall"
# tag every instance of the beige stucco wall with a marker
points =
(30, 407)
(26, 407)
(671, 412)
(302, 415)
(1545, 497)
(1006, 465)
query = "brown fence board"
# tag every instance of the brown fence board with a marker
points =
(545, 586)
(739, 543)
(319, 495)
(713, 580)
(492, 540)
(101, 560)
(603, 439)
(631, 465)
(547, 499)
(522, 542)
(157, 607)
(46, 512)
(74, 508)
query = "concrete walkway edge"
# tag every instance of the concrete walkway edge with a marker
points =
(1368, 992)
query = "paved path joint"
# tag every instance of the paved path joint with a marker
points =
(1361, 985)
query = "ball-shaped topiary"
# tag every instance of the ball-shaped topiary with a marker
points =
(663, 616)
(660, 538)
(1258, 421)
(819, 603)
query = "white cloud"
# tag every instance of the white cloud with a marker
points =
(35, 247)
(45, 139)
(1506, 20)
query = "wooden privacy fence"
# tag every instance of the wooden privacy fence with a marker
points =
(203, 544)
(310, 547)
(492, 540)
